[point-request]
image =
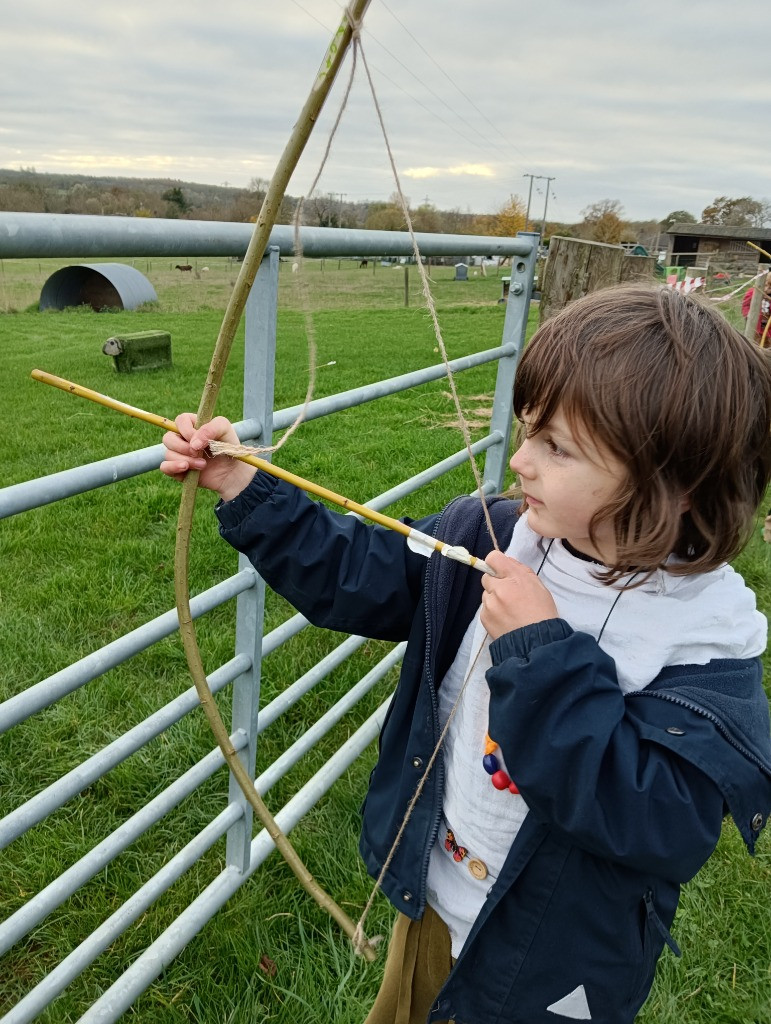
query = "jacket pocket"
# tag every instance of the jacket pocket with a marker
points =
(654, 923)
(654, 934)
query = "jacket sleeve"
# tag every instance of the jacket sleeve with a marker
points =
(339, 572)
(582, 763)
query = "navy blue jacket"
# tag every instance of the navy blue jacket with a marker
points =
(626, 793)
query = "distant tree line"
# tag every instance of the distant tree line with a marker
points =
(25, 190)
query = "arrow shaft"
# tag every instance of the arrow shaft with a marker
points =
(80, 391)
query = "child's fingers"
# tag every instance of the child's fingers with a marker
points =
(171, 471)
(505, 568)
(175, 444)
(218, 429)
(176, 467)
(191, 442)
(514, 597)
(178, 457)
(186, 424)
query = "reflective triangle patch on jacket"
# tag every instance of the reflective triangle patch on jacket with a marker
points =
(573, 1005)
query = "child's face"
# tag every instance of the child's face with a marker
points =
(565, 483)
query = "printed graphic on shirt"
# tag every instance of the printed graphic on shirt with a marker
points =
(573, 1005)
(458, 852)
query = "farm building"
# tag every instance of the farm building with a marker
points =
(720, 248)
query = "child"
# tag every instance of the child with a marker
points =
(613, 660)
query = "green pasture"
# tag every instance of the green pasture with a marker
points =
(80, 573)
(333, 283)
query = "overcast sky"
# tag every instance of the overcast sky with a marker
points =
(661, 106)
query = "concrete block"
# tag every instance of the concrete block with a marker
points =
(145, 350)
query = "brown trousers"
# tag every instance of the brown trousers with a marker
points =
(419, 960)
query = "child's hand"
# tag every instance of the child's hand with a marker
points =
(185, 451)
(513, 598)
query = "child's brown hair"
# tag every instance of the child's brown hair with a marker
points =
(664, 382)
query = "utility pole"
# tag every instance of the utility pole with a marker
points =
(340, 213)
(537, 177)
(529, 197)
(545, 206)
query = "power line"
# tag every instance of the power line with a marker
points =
(431, 113)
(414, 99)
(452, 81)
(425, 86)
(310, 15)
(436, 95)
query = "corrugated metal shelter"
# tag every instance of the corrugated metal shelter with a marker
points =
(98, 285)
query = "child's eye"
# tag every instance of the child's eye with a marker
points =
(554, 448)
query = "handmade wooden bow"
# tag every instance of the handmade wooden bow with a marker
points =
(233, 313)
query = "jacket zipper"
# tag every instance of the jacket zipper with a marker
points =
(439, 763)
(710, 717)
(656, 922)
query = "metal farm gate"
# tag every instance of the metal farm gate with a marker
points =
(26, 235)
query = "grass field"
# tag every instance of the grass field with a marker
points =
(335, 283)
(80, 573)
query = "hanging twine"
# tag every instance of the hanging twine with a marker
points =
(361, 944)
(359, 939)
(425, 283)
(302, 280)
(426, 286)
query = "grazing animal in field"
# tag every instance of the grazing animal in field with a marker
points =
(363, 263)
(184, 266)
(204, 270)
(295, 267)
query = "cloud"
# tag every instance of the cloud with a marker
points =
(469, 170)
(93, 164)
(644, 103)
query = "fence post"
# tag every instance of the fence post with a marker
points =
(259, 363)
(751, 323)
(514, 328)
(574, 268)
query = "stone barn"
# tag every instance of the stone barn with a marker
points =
(721, 249)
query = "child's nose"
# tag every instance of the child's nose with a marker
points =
(520, 463)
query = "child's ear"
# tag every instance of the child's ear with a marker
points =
(685, 503)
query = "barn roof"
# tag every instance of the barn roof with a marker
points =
(720, 231)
